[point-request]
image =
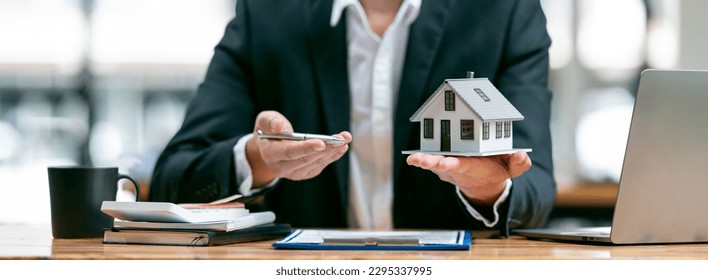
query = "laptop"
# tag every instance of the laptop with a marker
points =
(663, 189)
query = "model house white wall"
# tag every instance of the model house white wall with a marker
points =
(476, 100)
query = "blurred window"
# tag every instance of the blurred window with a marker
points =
(467, 129)
(559, 14)
(428, 128)
(42, 32)
(157, 31)
(611, 33)
(449, 100)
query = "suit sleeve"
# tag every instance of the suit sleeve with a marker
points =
(523, 78)
(198, 165)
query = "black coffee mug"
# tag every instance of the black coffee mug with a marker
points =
(76, 194)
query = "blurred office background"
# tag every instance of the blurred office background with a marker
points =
(105, 82)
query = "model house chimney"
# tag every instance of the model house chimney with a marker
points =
(470, 75)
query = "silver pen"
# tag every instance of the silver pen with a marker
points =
(295, 136)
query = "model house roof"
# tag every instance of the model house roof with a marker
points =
(480, 95)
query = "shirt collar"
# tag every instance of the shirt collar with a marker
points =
(412, 7)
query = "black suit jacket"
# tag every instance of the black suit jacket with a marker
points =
(284, 56)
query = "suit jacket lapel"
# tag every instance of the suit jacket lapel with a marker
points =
(329, 55)
(423, 43)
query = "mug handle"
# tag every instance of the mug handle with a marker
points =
(135, 183)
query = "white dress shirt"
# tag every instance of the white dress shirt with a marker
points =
(375, 65)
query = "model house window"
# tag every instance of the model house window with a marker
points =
(485, 131)
(427, 128)
(499, 130)
(482, 94)
(449, 100)
(507, 129)
(467, 129)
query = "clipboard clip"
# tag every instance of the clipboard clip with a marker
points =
(370, 241)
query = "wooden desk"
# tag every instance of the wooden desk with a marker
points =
(587, 195)
(37, 243)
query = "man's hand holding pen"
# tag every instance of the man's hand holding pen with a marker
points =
(294, 160)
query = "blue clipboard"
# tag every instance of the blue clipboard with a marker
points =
(376, 240)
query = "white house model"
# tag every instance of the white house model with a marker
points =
(466, 117)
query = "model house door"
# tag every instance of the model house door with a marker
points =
(444, 135)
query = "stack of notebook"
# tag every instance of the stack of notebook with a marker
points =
(163, 223)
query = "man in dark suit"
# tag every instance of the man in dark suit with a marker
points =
(299, 64)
